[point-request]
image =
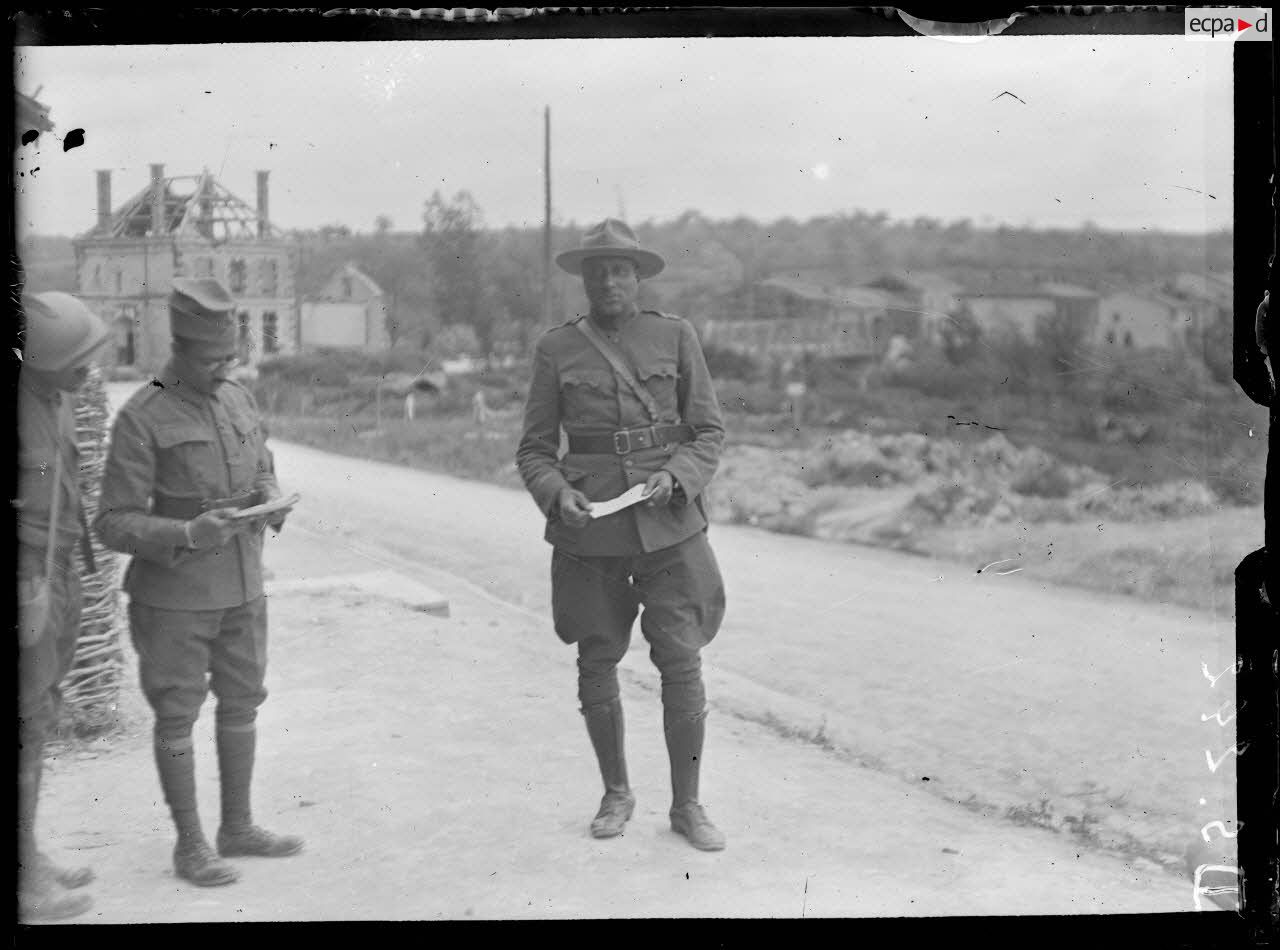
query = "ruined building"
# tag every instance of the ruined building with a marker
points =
(186, 226)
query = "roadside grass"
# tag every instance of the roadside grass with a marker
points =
(449, 444)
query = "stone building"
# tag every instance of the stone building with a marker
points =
(186, 226)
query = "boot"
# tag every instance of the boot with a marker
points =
(193, 859)
(685, 735)
(67, 877)
(238, 836)
(41, 897)
(605, 727)
(38, 871)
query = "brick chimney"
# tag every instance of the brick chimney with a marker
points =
(263, 196)
(157, 199)
(104, 199)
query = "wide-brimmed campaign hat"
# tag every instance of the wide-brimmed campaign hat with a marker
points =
(612, 238)
(201, 311)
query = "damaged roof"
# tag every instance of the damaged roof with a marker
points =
(196, 206)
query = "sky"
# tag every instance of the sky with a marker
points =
(1126, 132)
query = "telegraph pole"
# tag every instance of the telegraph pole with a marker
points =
(546, 228)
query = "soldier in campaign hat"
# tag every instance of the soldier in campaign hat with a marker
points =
(187, 451)
(631, 391)
(61, 338)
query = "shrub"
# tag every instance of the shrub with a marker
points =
(731, 364)
(737, 395)
(932, 375)
(1049, 481)
(960, 335)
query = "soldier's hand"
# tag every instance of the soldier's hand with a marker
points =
(213, 529)
(575, 508)
(659, 488)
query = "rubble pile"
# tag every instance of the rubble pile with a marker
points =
(889, 489)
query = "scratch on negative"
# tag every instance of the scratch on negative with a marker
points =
(1104, 488)
(994, 563)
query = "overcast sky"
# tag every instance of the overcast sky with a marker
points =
(1125, 131)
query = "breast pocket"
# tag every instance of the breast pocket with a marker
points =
(244, 461)
(187, 460)
(587, 396)
(659, 375)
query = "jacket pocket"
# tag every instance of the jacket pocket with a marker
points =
(659, 375)
(186, 459)
(244, 464)
(587, 396)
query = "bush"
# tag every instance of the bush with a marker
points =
(1049, 481)
(738, 395)
(731, 364)
(933, 375)
(961, 336)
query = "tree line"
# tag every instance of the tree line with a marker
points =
(456, 285)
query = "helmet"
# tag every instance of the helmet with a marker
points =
(61, 331)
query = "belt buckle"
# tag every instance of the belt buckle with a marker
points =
(617, 446)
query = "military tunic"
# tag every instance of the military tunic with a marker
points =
(574, 387)
(46, 426)
(175, 452)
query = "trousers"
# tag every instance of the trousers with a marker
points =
(182, 654)
(43, 665)
(677, 592)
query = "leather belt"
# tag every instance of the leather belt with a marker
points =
(625, 441)
(168, 506)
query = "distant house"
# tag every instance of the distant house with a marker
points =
(920, 302)
(1130, 320)
(185, 226)
(349, 310)
(793, 317)
(1003, 304)
(1204, 299)
(1211, 288)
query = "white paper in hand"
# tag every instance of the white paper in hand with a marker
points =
(632, 496)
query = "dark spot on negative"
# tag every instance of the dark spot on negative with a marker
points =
(74, 139)
(29, 136)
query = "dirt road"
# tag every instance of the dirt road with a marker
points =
(1056, 706)
(438, 768)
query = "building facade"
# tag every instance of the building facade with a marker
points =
(1006, 306)
(1142, 321)
(186, 226)
(349, 311)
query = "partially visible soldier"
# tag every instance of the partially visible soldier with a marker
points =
(187, 451)
(62, 337)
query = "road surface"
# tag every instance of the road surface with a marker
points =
(890, 736)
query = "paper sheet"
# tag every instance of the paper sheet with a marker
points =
(632, 496)
(269, 507)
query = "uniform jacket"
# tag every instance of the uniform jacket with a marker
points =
(46, 425)
(575, 389)
(171, 448)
